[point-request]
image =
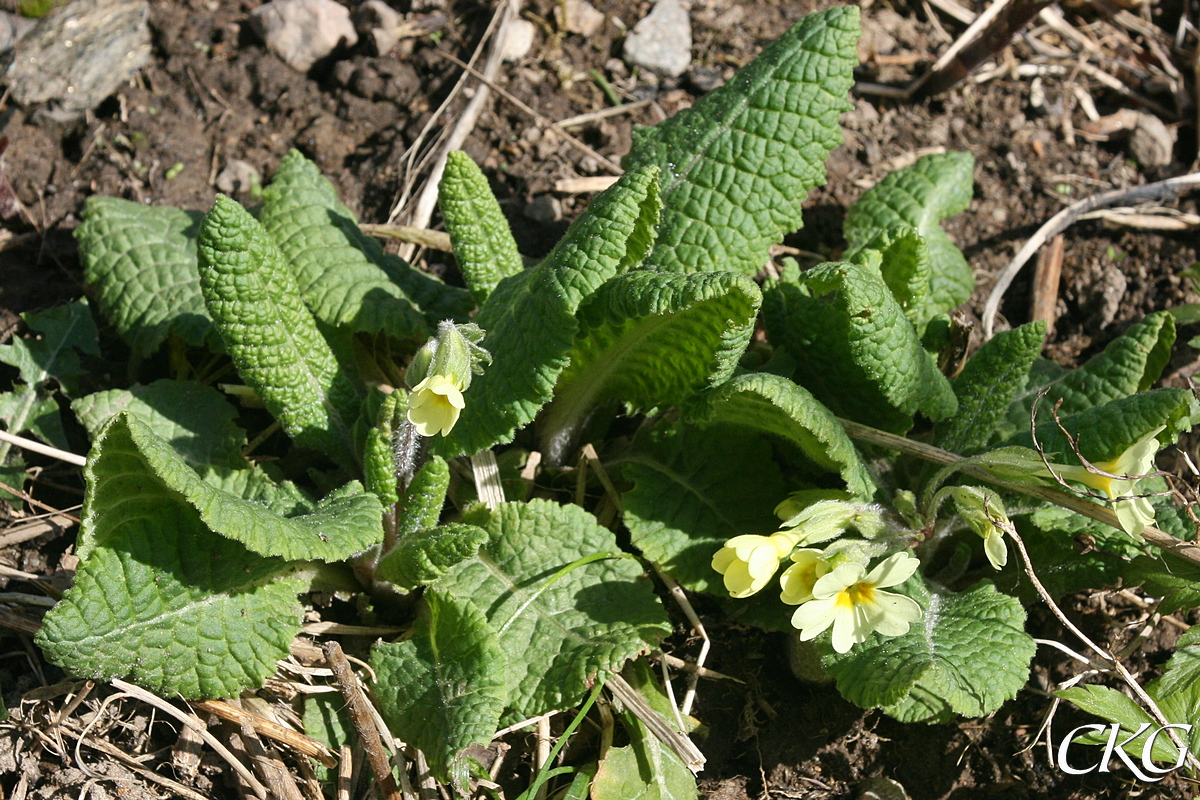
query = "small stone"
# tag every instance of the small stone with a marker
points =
(519, 40)
(705, 79)
(544, 209)
(380, 24)
(302, 32)
(13, 28)
(583, 18)
(343, 73)
(1152, 143)
(326, 142)
(662, 41)
(238, 176)
(366, 83)
(78, 55)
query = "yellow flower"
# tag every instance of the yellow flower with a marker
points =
(1134, 513)
(855, 606)
(434, 405)
(749, 562)
(799, 579)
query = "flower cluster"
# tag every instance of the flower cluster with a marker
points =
(831, 587)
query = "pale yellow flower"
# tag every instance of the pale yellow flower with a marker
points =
(434, 405)
(1134, 513)
(854, 604)
(799, 579)
(749, 562)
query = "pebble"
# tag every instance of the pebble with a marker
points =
(237, 176)
(380, 24)
(78, 55)
(583, 18)
(662, 41)
(519, 40)
(13, 27)
(705, 79)
(302, 32)
(1152, 143)
(544, 209)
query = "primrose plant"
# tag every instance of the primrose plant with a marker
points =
(637, 335)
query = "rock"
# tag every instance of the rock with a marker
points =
(326, 142)
(705, 79)
(544, 209)
(519, 41)
(302, 32)
(582, 17)
(78, 55)
(238, 176)
(380, 24)
(13, 28)
(1152, 143)
(662, 41)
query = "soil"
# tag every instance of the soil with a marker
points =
(212, 95)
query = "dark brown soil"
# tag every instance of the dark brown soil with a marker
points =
(212, 95)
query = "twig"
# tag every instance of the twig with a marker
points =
(605, 161)
(542, 754)
(275, 775)
(434, 240)
(1165, 541)
(1062, 220)
(200, 728)
(685, 605)
(1136, 687)
(269, 728)
(43, 449)
(487, 479)
(603, 113)
(1046, 275)
(677, 741)
(28, 498)
(423, 209)
(367, 732)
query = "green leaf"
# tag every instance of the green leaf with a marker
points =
(51, 352)
(645, 769)
(1164, 575)
(271, 336)
(423, 501)
(986, 388)
(140, 263)
(160, 598)
(562, 629)
(335, 264)
(738, 164)
(444, 689)
(1104, 432)
(1131, 363)
(970, 650)
(424, 556)
(345, 522)
(483, 244)
(530, 317)
(901, 257)
(25, 409)
(1183, 668)
(1182, 707)
(857, 352)
(650, 339)
(920, 196)
(777, 407)
(694, 489)
(196, 421)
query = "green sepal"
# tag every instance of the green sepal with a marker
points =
(483, 244)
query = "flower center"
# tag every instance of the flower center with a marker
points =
(856, 594)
